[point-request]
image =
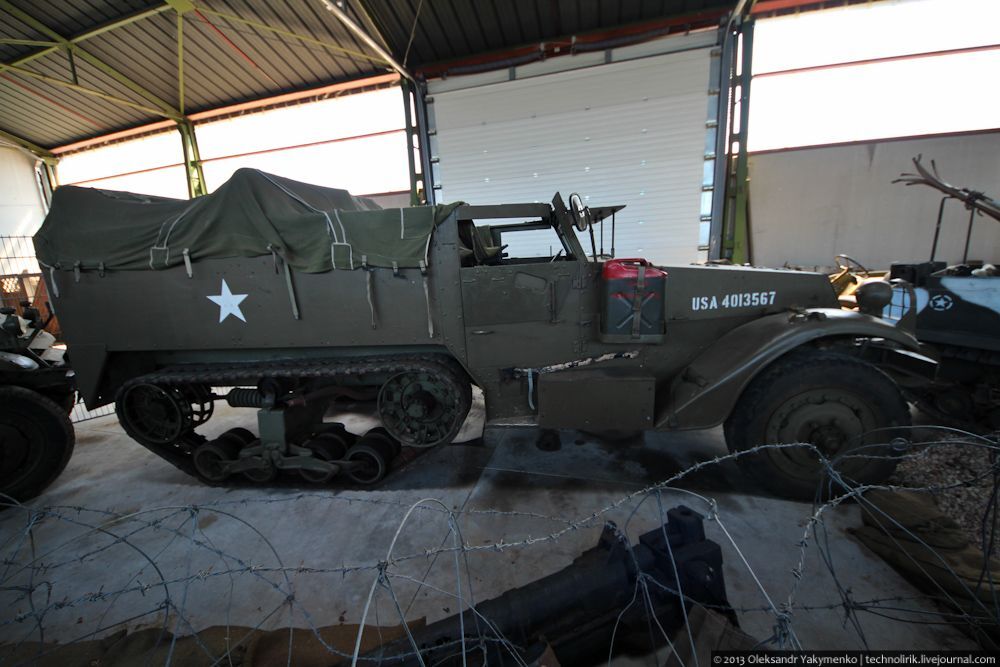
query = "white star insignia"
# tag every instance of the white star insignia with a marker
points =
(229, 303)
(941, 302)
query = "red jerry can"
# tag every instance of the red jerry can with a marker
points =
(633, 309)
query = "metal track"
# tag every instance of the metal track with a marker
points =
(250, 373)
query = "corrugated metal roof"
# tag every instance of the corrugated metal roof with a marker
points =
(446, 30)
(241, 50)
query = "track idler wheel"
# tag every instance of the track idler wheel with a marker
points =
(329, 446)
(154, 416)
(426, 406)
(372, 453)
(211, 457)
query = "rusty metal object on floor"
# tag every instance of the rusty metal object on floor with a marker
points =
(583, 612)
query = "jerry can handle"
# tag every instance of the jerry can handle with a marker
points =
(633, 260)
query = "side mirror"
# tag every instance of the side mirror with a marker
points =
(581, 213)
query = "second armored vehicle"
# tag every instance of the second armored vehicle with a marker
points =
(295, 295)
(36, 397)
(957, 313)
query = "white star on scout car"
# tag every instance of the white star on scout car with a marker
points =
(942, 302)
(229, 303)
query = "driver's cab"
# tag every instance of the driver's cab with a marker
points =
(528, 284)
(524, 233)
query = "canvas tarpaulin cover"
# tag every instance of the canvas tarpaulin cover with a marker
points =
(312, 228)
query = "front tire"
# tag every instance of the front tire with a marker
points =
(847, 408)
(36, 442)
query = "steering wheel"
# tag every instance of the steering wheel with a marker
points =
(845, 262)
(581, 213)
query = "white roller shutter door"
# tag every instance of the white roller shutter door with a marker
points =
(629, 132)
(21, 204)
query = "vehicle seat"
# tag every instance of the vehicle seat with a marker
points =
(475, 244)
(466, 228)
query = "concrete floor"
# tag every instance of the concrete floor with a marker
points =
(124, 521)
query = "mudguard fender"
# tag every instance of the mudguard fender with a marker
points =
(89, 364)
(704, 393)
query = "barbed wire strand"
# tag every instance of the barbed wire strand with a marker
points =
(31, 562)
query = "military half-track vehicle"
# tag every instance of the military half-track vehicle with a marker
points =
(957, 312)
(294, 295)
(36, 397)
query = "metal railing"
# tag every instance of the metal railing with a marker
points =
(20, 274)
(21, 281)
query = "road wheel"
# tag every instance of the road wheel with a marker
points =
(837, 403)
(372, 464)
(36, 441)
(210, 458)
(261, 475)
(244, 435)
(325, 447)
(387, 444)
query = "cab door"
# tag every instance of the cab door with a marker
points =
(523, 305)
(523, 315)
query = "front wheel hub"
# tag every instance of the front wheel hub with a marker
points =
(832, 420)
(828, 438)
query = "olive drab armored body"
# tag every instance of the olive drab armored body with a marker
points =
(294, 295)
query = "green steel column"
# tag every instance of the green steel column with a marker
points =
(193, 172)
(192, 160)
(741, 202)
(51, 173)
(180, 62)
(411, 131)
(735, 235)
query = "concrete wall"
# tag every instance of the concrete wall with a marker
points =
(21, 208)
(809, 204)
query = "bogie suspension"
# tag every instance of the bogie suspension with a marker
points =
(422, 402)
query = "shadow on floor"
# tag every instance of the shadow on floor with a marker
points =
(514, 458)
